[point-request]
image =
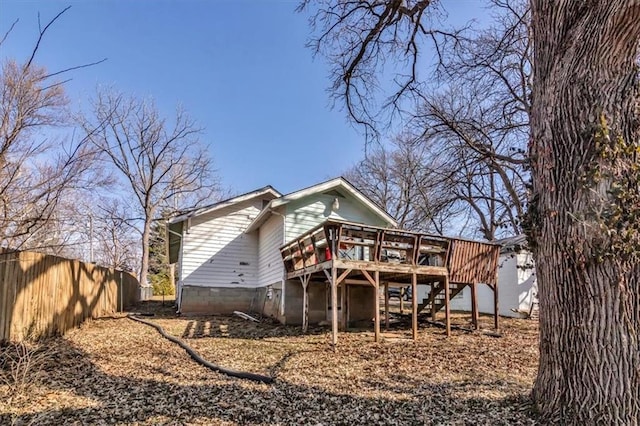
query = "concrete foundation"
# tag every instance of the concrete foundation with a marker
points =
(360, 303)
(216, 300)
(266, 301)
(317, 292)
(225, 300)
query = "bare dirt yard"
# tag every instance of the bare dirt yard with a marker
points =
(117, 371)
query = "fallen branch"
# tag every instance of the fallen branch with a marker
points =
(245, 316)
(196, 356)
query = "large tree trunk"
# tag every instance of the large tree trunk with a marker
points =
(144, 264)
(584, 218)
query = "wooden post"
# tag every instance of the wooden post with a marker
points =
(305, 303)
(447, 310)
(433, 301)
(343, 306)
(414, 305)
(376, 321)
(386, 305)
(474, 305)
(401, 302)
(496, 322)
(334, 294)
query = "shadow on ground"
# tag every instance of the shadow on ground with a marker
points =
(216, 399)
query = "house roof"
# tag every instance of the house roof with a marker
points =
(329, 185)
(267, 190)
(516, 243)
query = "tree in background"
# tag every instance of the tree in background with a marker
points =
(158, 162)
(583, 219)
(113, 235)
(159, 269)
(477, 122)
(471, 132)
(38, 171)
(400, 180)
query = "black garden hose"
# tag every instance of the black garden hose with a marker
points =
(200, 360)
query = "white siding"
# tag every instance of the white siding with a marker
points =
(516, 285)
(304, 214)
(270, 265)
(527, 284)
(217, 252)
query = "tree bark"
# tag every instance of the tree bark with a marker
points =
(584, 220)
(144, 262)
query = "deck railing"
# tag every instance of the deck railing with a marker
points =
(352, 241)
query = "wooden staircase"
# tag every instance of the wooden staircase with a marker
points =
(437, 297)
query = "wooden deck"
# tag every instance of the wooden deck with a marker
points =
(344, 253)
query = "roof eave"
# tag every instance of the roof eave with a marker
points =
(226, 203)
(335, 182)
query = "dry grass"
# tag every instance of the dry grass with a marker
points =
(119, 371)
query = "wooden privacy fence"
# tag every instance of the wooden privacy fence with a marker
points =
(43, 295)
(473, 262)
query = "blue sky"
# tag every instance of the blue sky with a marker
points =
(240, 68)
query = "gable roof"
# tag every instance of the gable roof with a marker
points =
(329, 185)
(267, 190)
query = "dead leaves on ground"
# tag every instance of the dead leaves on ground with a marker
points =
(118, 371)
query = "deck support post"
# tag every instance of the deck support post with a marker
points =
(414, 305)
(376, 321)
(343, 306)
(334, 292)
(334, 308)
(447, 307)
(433, 300)
(305, 302)
(474, 305)
(386, 305)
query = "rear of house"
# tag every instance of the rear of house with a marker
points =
(218, 268)
(228, 254)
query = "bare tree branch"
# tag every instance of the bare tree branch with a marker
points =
(158, 162)
(6, 34)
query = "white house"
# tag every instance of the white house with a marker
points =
(517, 296)
(228, 254)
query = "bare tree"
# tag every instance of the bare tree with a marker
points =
(583, 214)
(158, 162)
(471, 132)
(401, 181)
(114, 236)
(370, 34)
(37, 171)
(479, 123)
(476, 159)
(95, 227)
